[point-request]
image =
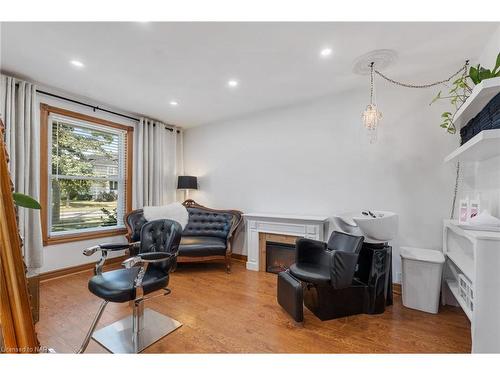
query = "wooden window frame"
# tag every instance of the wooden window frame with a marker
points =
(45, 111)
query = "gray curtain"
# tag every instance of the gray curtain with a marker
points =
(19, 112)
(155, 164)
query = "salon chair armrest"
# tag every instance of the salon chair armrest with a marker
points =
(144, 260)
(104, 248)
(342, 267)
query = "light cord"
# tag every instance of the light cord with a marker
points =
(422, 86)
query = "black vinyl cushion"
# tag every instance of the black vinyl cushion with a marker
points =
(291, 295)
(156, 236)
(114, 246)
(202, 246)
(333, 263)
(208, 224)
(345, 242)
(136, 220)
(310, 272)
(204, 235)
(118, 286)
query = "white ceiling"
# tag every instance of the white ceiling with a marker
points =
(141, 67)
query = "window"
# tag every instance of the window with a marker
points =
(85, 175)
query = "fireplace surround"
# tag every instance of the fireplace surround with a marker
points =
(261, 228)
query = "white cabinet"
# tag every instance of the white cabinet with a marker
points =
(475, 255)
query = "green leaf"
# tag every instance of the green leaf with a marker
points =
(484, 74)
(474, 75)
(24, 200)
(436, 98)
(497, 65)
(446, 114)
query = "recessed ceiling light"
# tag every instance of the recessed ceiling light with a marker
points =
(232, 83)
(77, 63)
(325, 52)
(173, 103)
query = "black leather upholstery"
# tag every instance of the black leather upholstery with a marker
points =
(202, 246)
(345, 242)
(135, 221)
(205, 234)
(156, 236)
(342, 268)
(208, 224)
(291, 296)
(118, 286)
(114, 246)
(331, 264)
(311, 273)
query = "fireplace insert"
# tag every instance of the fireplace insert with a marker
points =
(279, 256)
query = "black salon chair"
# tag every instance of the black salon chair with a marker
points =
(318, 278)
(332, 263)
(340, 278)
(145, 273)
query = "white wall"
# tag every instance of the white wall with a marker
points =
(313, 159)
(490, 51)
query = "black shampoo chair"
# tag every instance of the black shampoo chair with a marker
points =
(335, 279)
(144, 273)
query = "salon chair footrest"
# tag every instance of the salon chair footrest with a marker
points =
(118, 337)
(290, 295)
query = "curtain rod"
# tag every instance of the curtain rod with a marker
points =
(94, 108)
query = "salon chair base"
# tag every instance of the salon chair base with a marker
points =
(328, 303)
(118, 337)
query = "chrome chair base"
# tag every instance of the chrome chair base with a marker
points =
(119, 336)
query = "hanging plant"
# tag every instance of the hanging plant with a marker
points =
(461, 89)
(478, 73)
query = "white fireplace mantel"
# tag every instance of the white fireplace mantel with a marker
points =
(313, 227)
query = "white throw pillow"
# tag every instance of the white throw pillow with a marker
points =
(173, 211)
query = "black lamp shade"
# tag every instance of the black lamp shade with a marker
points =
(187, 182)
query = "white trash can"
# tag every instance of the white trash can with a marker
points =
(421, 284)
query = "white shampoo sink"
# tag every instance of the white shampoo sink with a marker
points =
(375, 226)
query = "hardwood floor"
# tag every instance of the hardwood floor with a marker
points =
(238, 313)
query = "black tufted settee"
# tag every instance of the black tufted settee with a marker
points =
(207, 236)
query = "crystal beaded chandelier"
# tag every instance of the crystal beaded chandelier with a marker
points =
(371, 116)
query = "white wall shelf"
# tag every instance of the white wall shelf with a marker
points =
(483, 146)
(463, 262)
(481, 95)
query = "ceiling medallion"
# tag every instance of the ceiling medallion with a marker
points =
(381, 58)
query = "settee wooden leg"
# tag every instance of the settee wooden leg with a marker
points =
(228, 263)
